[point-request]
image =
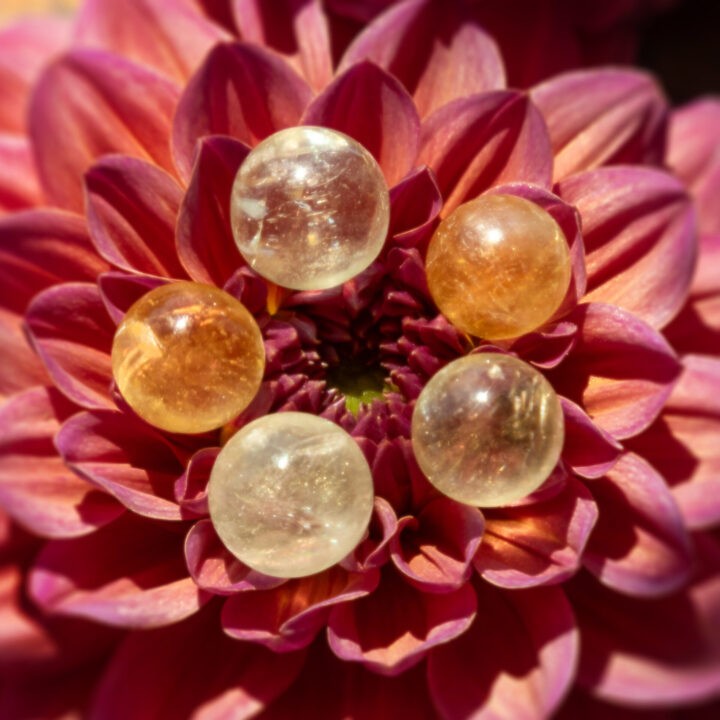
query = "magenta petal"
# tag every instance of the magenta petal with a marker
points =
(392, 629)
(20, 368)
(647, 653)
(603, 117)
(215, 569)
(640, 545)
(537, 544)
(72, 334)
(130, 573)
(290, 616)
(374, 550)
(394, 134)
(31, 469)
(19, 185)
(621, 370)
(297, 29)
(191, 487)
(205, 213)
(435, 550)
(436, 50)
(170, 36)
(125, 457)
(132, 208)
(517, 660)
(484, 140)
(640, 242)
(109, 105)
(119, 291)
(415, 203)
(242, 91)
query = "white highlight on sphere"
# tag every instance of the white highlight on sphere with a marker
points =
(487, 429)
(290, 494)
(309, 208)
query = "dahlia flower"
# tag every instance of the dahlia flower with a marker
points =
(119, 141)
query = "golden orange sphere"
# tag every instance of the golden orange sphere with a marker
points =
(188, 358)
(498, 266)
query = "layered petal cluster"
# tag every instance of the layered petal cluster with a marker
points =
(599, 591)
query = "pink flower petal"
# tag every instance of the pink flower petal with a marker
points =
(20, 368)
(653, 653)
(415, 203)
(191, 487)
(205, 213)
(693, 154)
(170, 36)
(392, 629)
(374, 550)
(19, 185)
(119, 291)
(125, 457)
(434, 550)
(109, 105)
(516, 661)
(290, 616)
(394, 134)
(639, 545)
(603, 117)
(215, 569)
(640, 243)
(297, 29)
(484, 140)
(130, 574)
(206, 675)
(436, 51)
(537, 544)
(30, 469)
(621, 370)
(242, 91)
(132, 208)
(72, 334)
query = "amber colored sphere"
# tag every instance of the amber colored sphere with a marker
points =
(498, 267)
(487, 430)
(188, 358)
(309, 208)
(290, 494)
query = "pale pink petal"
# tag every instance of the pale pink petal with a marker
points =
(298, 29)
(516, 661)
(130, 574)
(394, 134)
(640, 545)
(640, 239)
(475, 143)
(537, 544)
(20, 368)
(242, 91)
(19, 185)
(72, 333)
(435, 50)
(393, 628)
(603, 117)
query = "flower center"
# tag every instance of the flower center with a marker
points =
(359, 383)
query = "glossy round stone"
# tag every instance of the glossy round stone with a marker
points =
(188, 357)
(310, 208)
(290, 494)
(498, 266)
(487, 429)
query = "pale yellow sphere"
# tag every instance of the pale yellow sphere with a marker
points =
(310, 208)
(487, 430)
(290, 494)
(188, 358)
(498, 266)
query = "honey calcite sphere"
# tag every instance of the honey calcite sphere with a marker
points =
(310, 208)
(498, 266)
(188, 357)
(290, 494)
(487, 429)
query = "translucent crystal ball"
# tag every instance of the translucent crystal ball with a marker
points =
(487, 429)
(310, 208)
(188, 357)
(290, 494)
(498, 266)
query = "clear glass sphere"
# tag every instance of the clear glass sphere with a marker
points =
(290, 494)
(187, 357)
(498, 266)
(487, 430)
(310, 208)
